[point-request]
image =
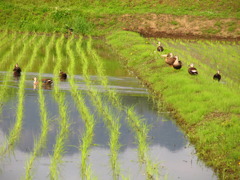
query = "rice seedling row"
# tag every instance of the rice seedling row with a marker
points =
(88, 118)
(101, 75)
(14, 134)
(41, 142)
(8, 75)
(62, 136)
(136, 123)
(111, 122)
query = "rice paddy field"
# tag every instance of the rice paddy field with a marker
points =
(100, 123)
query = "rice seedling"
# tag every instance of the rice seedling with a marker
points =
(62, 136)
(88, 118)
(111, 122)
(41, 142)
(8, 75)
(16, 130)
(5, 59)
(137, 124)
(101, 74)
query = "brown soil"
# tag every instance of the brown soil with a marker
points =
(164, 25)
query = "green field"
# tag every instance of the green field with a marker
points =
(101, 17)
(35, 34)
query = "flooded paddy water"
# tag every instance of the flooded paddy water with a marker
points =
(87, 87)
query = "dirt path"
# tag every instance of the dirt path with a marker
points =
(164, 25)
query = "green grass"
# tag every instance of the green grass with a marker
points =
(85, 16)
(206, 110)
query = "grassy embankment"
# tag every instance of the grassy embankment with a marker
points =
(207, 110)
(101, 17)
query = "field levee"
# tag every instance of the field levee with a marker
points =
(208, 111)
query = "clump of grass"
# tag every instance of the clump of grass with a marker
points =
(232, 26)
(174, 23)
(211, 31)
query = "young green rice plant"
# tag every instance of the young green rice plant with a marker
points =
(101, 73)
(4, 88)
(37, 47)
(41, 142)
(8, 75)
(140, 129)
(88, 118)
(141, 137)
(62, 136)
(16, 130)
(111, 122)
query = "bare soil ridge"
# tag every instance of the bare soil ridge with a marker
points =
(166, 25)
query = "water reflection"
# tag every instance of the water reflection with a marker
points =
(167, 142)
(164, 133)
